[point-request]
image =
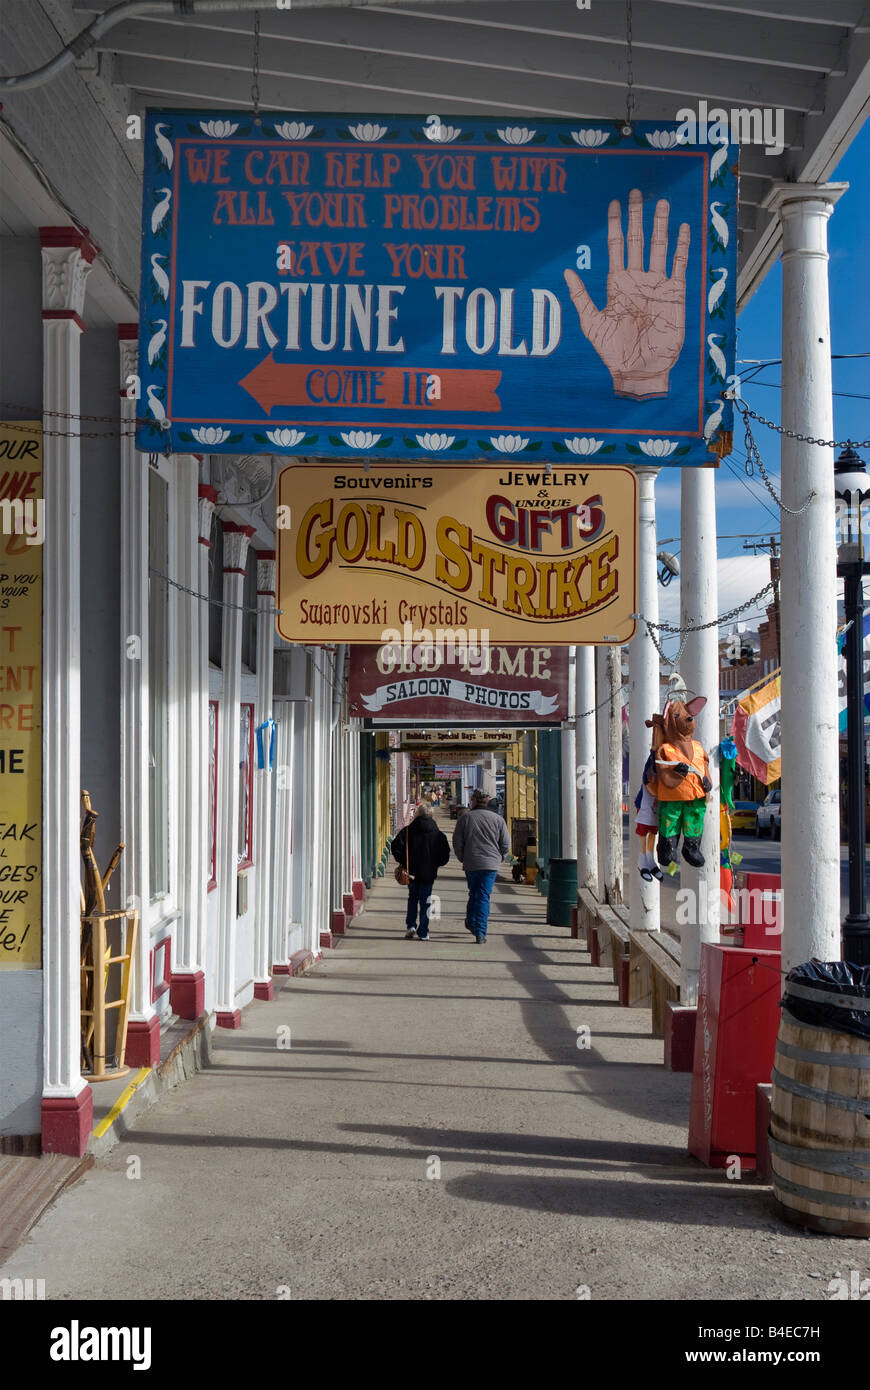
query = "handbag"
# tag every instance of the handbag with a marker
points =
(402, 872)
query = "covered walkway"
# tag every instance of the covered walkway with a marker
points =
(314, 1167)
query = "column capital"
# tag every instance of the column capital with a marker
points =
(128, 349)
(265, 574)
(208, 497)
(236, 540)
(782, 193)
(67, 255)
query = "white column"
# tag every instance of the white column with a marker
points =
(67, 1106)
(699, 603)
(205, 994)
(263, 987)
(586, 775)
(609, 780)
(187, 990)
(569, 769)
(236, 540)
(810, 774)
(643, 696)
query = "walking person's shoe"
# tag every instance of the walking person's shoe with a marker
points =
(410, 934)
(422, 937)
(480, 938)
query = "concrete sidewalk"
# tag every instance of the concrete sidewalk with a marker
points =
(432, 1132)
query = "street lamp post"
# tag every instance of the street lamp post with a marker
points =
(852, 489)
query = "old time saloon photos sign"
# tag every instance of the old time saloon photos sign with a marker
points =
(410, 683)
(411, 287)
(503, 555)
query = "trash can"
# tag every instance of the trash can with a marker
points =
(561, 891)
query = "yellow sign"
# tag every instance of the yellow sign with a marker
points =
(21, 536)
(395, 554)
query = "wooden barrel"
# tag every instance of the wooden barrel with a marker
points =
(820, 1128)
(561, 891)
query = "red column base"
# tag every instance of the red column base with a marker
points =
(282, 969)
(229, 1018)
(187, 994)
(680, 1021)
(143, 1042)
(347, 903)
(594, 952)
(575, 923)
(264, 989)
(326, 941)
(358, 889)
(763, 1106)
(623, 980)
(67, 1122)
(339, 923)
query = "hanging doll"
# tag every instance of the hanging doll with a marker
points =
(727, 857)
(647, 821)
(682, 781)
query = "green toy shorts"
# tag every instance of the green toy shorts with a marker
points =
(686, 817)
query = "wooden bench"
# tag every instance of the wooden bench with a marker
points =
(613, 940)
(654, 974)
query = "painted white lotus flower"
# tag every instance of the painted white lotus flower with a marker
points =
(657, 448)
(516, 135)
(294, 130)
(360, 439)
(590, 138)
(219, 130)
(663, 139)
(582, 444)
(368, 132)
(285, 439)
(508, 443)
(434, 443)
(210, 434)
(442, 133)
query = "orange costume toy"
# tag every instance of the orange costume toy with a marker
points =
(682, 781)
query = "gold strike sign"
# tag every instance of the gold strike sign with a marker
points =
(393, 554)
(21, 537)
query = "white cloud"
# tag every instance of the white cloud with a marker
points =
(740, 576)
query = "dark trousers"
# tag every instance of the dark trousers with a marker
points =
(419, 894)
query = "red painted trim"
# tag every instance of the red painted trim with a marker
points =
(265, 593)
(300, 960)
(326, 941)
(160, 984)
(233, 569)
(69, 236)
(143, 1042)
(67, 1122)
(230, 1019)
(264, 989)
(212, 882)
(266, 554)
(206, 490)
(204, 542)
(247, 860)
(282, 969)
(187, 994)
(339, 923)
(128, 331)
(237, 526)
(65, 314)
(348, 904)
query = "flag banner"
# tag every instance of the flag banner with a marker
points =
(451, 558)
(412, 287)
(414, 683)
(841, 675)
(755, 729)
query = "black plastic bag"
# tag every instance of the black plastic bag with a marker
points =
(830, 994)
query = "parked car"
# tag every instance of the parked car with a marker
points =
(768, 819)
(743, 815)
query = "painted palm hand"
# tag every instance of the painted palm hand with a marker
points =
(639, 333)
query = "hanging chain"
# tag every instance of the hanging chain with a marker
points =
(715, 622)
(793, 434)
(753, 461)
(255, 73)
(213, 603)
(629, 58)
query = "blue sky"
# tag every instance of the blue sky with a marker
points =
(743, 505)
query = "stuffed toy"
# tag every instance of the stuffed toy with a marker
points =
(682, 781)
(647, 821)
(728, 858)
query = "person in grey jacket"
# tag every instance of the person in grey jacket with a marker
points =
(480, 842)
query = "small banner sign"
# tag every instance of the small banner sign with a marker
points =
(452, 559)
(408, 287)
(526, 685)
(755, 729)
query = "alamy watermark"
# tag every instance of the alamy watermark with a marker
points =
(740, 125)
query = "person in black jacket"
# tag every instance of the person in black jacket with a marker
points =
(428, 850)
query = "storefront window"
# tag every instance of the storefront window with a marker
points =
(246, 784)
(211, 824)
(158, 682)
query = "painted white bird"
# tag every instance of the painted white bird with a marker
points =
(716, 291)
(155, 405)
(155, 347)
(161, 279)
(717, 161)
(164, 145)
(712, 423)
(717, 356)
(720, 226)
(161, 208)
